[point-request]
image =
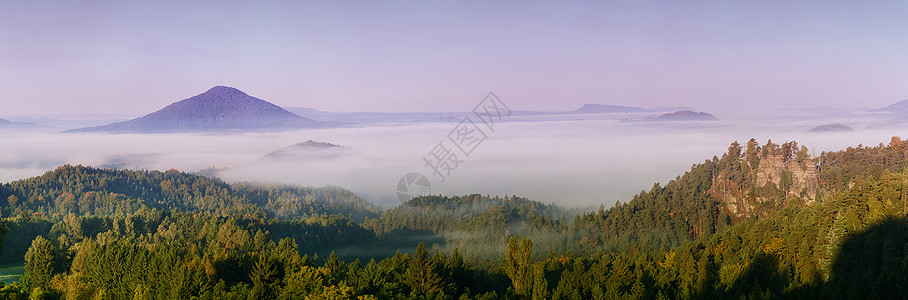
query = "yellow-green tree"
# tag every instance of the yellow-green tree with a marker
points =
(38, 264)
(518, 265)
(421, 275)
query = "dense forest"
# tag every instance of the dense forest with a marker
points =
(759, 221)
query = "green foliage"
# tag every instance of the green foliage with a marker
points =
(3, 230)
(518, 265)
(114, 234)
(90, 191)
(540, 283)
(421, 275)
(39, 266)
(872, 263)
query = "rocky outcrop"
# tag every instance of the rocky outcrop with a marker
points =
(768, 183)
(804, 176)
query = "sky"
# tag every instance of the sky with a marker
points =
(132, 57)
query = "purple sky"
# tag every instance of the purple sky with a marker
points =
(74, 57)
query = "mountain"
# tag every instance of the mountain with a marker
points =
(602, 108)
(3, 121)
(770, 221)
(834, 127)
(686, 115)
(220, 108)
(900, 107)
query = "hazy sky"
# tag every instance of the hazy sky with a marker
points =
(60, 57)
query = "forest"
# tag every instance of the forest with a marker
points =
(757, 221)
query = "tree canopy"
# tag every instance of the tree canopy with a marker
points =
(770, 221)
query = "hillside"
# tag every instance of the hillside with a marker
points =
(761, 221)
(91, 191)
(218, 109)
(748, 182)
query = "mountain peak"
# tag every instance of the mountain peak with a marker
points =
(218, 108)
(221, 89)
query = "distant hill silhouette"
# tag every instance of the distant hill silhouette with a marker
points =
(900, 107)
(219, 108)
(308, 149)
(686, 115)
(834, 127)
(10, 124)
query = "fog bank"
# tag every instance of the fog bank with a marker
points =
(578, 163)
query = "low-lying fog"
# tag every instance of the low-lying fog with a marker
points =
(579, 163)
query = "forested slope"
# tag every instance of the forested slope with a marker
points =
(91, 191)
(767, 221)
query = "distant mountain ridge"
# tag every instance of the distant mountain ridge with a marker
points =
(455, 116)
(900, 107)
(219, 108)
(4, 123)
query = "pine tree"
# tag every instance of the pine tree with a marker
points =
(540, 284)
(335, 268)
(142, 293)
(38, 264)
(706, 275)
(518, 266)
(833, 239)
(421, 274)
(265, 277)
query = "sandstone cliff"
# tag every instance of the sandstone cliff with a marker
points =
(764, 184)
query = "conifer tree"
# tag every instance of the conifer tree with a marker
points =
(421, 275)
(540, 285)
(518, 266)
(38, 264)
